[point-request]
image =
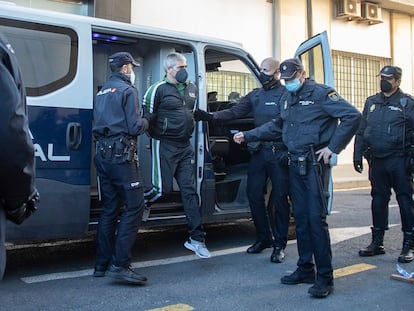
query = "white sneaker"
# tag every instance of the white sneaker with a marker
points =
(199, 248)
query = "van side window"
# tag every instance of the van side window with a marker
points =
(229, 80)
(47, 54)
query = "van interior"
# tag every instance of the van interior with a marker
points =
(228, 78)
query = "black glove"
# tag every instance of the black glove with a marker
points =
(358, 166)
(23, 211)
(201, 115)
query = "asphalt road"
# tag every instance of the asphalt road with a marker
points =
(58, 276)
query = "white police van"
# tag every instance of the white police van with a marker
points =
(63, 58)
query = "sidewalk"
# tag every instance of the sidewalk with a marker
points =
(345, 177)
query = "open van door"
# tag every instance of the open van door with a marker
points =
(315, 55)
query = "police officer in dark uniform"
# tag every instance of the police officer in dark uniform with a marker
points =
(18, 194)
(309, 125)
(268, 160)
(385, 137)
(118, 123)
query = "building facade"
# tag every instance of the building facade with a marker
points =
(364, 35)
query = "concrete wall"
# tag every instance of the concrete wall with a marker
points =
(267, 28)
(244, 21)
(402, 48)
(250, 22)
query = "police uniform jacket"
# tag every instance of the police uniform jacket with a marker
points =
(116, 111)
(387, 125)
(310, 117)
(261, 103)
(169, 113)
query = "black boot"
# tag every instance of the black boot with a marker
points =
(377, 245)
(407, 254)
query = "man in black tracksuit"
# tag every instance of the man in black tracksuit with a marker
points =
(384, 138)
(169, 106)
(268, 160)
(117, 124)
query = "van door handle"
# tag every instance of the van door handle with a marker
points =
(73, 135)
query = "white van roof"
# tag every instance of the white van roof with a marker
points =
(8, 9)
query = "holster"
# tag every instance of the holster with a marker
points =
(117, 149)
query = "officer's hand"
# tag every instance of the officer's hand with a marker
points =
(238, 137)
(201, 115)
(358, 166)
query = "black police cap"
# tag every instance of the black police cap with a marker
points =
(391, 71)
(289, 68)
(122, 58)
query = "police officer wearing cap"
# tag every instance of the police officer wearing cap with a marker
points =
(117, 124)
(268, 160)
(310, 129)
(385, 139)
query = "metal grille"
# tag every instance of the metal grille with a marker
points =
(356, 75)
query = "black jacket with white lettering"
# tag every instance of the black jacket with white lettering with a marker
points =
(116, 110)
(387, 125)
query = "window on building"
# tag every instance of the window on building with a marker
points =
(356, 75)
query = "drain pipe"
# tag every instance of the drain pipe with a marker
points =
(309, 18)
(276, 38)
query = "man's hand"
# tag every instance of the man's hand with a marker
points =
(145, 124)
(238, 138)
(358, 166)
(201, 115)
(325, 154)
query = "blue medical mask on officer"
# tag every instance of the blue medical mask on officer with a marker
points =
(293, 85)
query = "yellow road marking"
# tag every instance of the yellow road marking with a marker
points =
(352, 269)
(177, 307)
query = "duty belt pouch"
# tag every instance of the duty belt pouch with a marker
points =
(106, 149)
(119, 151)
(302, 165)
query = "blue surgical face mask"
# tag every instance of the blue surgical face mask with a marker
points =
(293, 85)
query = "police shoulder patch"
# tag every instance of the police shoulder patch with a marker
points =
(334, 96)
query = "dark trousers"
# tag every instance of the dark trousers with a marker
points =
(177, 161)
(384, 174)
(275, 221)
(313, 240)
(118, 182)
(2, 242)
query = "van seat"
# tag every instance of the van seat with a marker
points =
(219, 148)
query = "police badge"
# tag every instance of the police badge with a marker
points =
(334, 96)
